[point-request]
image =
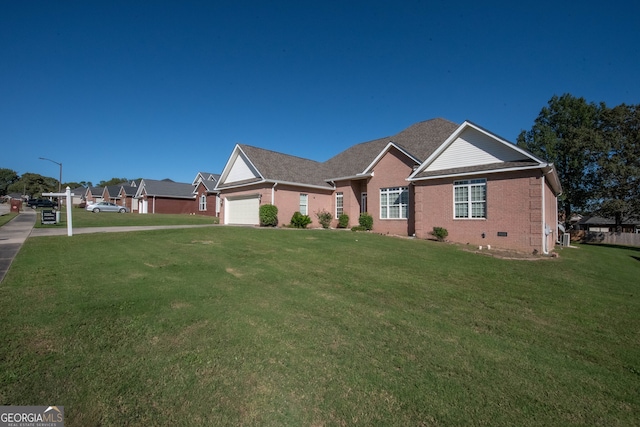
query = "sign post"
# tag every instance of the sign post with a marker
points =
(68, 194)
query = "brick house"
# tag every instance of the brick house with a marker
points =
(483, 189)
(206, 193)
(166, 196)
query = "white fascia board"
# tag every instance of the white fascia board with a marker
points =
(348, 178)
(246, 184)
(298, 184)
(385, 151)
(237, 151)
(456, 134)
(198, 177)
(483, 172)
(140, 189)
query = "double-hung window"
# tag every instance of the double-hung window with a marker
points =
(339, 204)
(304, 204)
(203, 203)
(394, 203)
(470, 198)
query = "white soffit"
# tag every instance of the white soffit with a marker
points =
(474, 148)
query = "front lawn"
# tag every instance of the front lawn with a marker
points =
(241, 326)
(83, 218)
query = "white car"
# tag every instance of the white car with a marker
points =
(106, 207)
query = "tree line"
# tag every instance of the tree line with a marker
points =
(33, 185)
(596, 151)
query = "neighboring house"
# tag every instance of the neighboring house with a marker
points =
(483, 189)
(166, 197)
(111, 193)
(607, 225)
(127, 195)
(93, 194)
(206, 195)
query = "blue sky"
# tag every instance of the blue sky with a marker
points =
(165, 89)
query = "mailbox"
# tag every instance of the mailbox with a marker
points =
(16, 205)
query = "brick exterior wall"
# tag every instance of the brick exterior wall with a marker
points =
(514, 206)
(165, 205)
(211, 202)
(351, 200)
(391, 171)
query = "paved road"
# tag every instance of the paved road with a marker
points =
(15, 232)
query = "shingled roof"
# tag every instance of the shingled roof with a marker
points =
(279, 167)
(166, 188)
(419, 140)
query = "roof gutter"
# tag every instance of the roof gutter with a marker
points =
(482, 172)
(347, 178)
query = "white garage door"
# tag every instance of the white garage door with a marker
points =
(243, 210)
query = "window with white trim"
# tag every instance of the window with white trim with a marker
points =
(304, 204)
(339, 204)
(203, 203)
(470, 198)
(394, 203)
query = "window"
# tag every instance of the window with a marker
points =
(470, 198)
(304, 204)
(363, 203)
(203, 203)
(394, 203)
(339, 204)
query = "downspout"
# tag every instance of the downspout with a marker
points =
(154, 204)
(545, 240)
(545, 250)
(273, 193)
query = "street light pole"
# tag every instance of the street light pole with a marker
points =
(59, 164)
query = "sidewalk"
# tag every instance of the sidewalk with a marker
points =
(12, 236)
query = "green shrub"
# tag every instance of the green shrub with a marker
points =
(366, 221)
(324, 218)
(343, 221)
(300, 221)
(358, 228)
(440, 233)
(268, 215)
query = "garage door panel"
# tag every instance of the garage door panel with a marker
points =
(243, 211)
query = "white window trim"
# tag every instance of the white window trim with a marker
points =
(304, 197)
(399, 191)
(339, 196)
(202, 203)
(468, 183)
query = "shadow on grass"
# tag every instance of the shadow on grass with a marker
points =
(609, 245)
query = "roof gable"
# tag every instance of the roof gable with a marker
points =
(248, 165)
(239, 168)
(384, 152)
(471, 146)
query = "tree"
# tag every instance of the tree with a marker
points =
(617, 176)
(33, 185)
(564, 133)
(113, 181)
(7, 177)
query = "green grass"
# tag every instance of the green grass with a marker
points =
(240, 326)
(6, 218)
(82, 218)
